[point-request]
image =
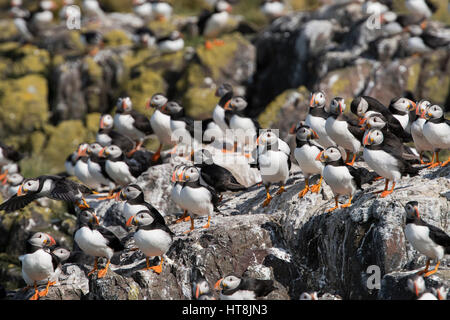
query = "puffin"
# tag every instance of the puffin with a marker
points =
(42, 266)
(143, 9)
(160, 121)
(43, 16)
(400, 108)
(107, 136)
(437, 131)
(273, 9)
(9, 169)
(13, 182)
(37, 266)
(234, 287)
(53, 187)
(177, 180)
(316, 118)
(171, 43)
(135, 202)
(96, 240)
(81, 169)
(9, 155)
(429, 240)
(130, 122)
(161, 10)
(93, 10)
(121, 169)
(144, 37)
(70, 162)
(197, 199)
(386, 160)
(153, 237)
(343, 130)
(420, 142)
(212, 23)
(40, 240)
(93, 41)
(200, 287)
(423, 8)
(273, 162)
(342, 178)
(361, 105)
(225, 93)
(306, 152)
(69, 11)
(20, 16)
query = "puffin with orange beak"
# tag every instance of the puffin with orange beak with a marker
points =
(420, 142)
(385, 159)
(306, 152)
(107, 136)
(9, 155)
(343, 179)
(234, 287)
(81, 169)
(96, 240)
(401, 108)
(152, 236)
(437, 131)
(317, 117)
(53, 187)
(212, 23)
(131, 123)
(177, 179)
(135, 201)
(160, 122)
(343, 130)
(429, 240)
(200, 287)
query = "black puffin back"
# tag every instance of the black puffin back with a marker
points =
(261, 287)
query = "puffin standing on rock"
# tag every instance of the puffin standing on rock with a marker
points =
(245, 288)
(212, 23)
(95, 240)
(425, 238)
(53, 187)
(160, 122)
(306, 152)
(8, 155)
(135, 202)
(106, 136)
(385, 159)
(273, 161)
(152, 237)
(420, 142)
(343, 179)
(437, 131)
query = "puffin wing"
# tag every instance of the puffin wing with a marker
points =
(356, 131)
(431, 5)
(18, 202)
(141, 122)
(261, 287)
(438, 236)
(113, 241)
(123, 142)
(202, 19)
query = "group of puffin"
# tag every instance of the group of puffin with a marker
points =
(117, 158)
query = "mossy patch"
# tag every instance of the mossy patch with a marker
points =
(24, 105)
(115, 38)
(413, 77)
(8, 30)
(199, 102)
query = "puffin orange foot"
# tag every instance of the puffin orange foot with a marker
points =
(157, 269)
(267, 201)
(303, 192)
(385, 193)
(332, 209)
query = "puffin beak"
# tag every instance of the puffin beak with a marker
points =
(292, 129)
(102, 124)
(148, 104)
(3, 176)
(411, 106)
(257, 140)
(362, 121)
(423, 114)
(227, 105)
(197, 292)
(123, 105)
(118, 195)
(416, 289)
(366, 139)
(122, 195)
(218, 284)
(130, 221)
(20, 191)
(102, 152)
(229, 9)
(319, 156)
(96, 220)
(163, 108)
(316, 136)
(311, 102)
(417, 212)
(430, 114)
(4, 181)
(52, 241)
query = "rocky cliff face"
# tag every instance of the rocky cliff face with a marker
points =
(292, 241)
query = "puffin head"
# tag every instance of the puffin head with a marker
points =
(16, 3)
(47, 5)
(374, 121)
(41, 240)
(373, 136)
(416, 285)
(403, 104)
(124, 105)
(175, 35)
(330, 154)
(177, 172)
(106, 121)
(412, 210)
(222, 6)
(421, 107)
(14, 179)
(132, 191)
(142, 218)
(191, 174)
(305, 133)
(61, 254)
(317, 100)
(88, 217)
(201, 288)
(82, 151)
(172, 108)
(267, 138)
(94, 148)
(27, 186)
(309, 296)
(337, 105)
(237, 103)
(228, 282)
(157, 101)
(359, 107)
(111, 151)
(434, 112)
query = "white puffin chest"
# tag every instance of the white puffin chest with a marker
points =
(306, 158)
(420, 239)
(124, 124)
(197, 200)
(421, 143)
(93, 243)
(318, 125)
(175, 194)
(103, 139)
(219, 117)
(338, 131)
(382, 163)
(273, 166)
(160, 123)
(169, 46)
(339, 179)
(438, 134)
(37, 266)
(403, 119)
(154, 242)
(215, 24)
(119, 172)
